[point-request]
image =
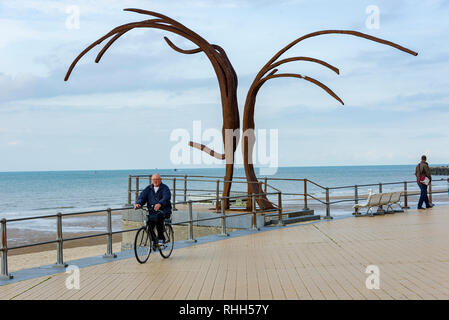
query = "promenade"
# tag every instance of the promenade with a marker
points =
(318, 260)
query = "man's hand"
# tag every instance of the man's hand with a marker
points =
(157, 206)
(137, 206)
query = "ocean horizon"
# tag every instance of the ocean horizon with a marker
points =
(219, 168)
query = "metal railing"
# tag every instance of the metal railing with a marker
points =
(5, 275)
(304, 184)
(184, 179)
(404, 186)
(276, 199)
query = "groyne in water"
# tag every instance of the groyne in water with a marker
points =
(440, 171)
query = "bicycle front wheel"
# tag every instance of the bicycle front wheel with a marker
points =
(166, 249)
(142, 245)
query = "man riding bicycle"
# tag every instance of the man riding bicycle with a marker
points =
(156, 195)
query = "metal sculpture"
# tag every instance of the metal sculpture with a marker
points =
(226, 76)
(227, 80)
(269, 71)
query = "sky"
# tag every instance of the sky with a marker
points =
(121, 112)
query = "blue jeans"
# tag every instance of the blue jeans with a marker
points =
(423, 197)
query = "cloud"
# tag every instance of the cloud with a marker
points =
(161, 99)
(110, 105)
(14, 143)
(17, 31)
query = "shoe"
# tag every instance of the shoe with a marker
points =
(421, 209)
(432, 205)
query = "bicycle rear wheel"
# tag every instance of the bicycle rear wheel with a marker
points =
(142, 245)
(166, 249)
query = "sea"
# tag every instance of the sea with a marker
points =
(26, 194)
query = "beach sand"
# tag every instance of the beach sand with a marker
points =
(39, 258)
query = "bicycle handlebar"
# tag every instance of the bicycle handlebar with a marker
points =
(149, 209)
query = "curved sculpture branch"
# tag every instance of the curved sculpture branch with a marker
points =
(294, 75)
(324, 63)
(226, 76)
(324, 32)
(174, 47)
(248, 113)
(202, 147)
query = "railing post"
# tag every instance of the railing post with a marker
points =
(280, 222)
(430, 192)
(405, 197)
(190, 230)
(266, 182)
(305, 195)
(217, 199)
(109, 253)
(137, 189)
(223, 219)
(4, 249)
(254, 216)
(185, 188)
(356, 199)
(328, 206)
(174, 194)
(380, 209)
(59, 245)
(129, 189)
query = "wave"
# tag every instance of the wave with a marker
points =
(53, 208)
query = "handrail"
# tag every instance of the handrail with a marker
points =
(219, 198)
(60, 240)
(383, 183)
(316, 184)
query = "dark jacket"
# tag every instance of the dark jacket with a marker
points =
(162, 196)
(422, 169)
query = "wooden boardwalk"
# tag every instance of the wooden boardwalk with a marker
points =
(325, 260)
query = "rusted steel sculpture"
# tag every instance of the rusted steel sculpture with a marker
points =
(268, 72)
(227, 78)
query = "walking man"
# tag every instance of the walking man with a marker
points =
(423, 177)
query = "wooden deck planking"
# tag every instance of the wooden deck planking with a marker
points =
(326, 260)
(8, 292)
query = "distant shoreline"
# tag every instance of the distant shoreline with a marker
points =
(439, 170)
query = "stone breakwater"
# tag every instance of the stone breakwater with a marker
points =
(440, 171)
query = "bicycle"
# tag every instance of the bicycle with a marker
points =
(146, 240)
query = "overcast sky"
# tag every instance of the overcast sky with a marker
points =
(119, 113)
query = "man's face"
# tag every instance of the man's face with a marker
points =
(156, 180)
